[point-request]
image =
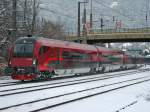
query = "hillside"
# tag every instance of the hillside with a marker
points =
(130, 13)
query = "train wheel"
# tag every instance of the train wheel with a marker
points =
(77, 74)
(103, 69)
(92, 70)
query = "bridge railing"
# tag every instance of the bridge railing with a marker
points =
(72, 35)
(120, 30)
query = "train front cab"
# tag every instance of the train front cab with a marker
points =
(22, 60)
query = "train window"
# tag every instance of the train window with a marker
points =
(74, 55)
(86, 56)
(43, 50)
(23, 50)
(104, 55)
(66, 55)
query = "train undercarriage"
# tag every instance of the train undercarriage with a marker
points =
(29, 73)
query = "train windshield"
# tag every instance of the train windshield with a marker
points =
(23, 50)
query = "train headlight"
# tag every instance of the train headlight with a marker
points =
(34, 62)
(9, 62)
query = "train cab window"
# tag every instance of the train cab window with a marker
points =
(23, 50)
(43, 50)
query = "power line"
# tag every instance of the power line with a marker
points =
(101, 3)
(122, 14)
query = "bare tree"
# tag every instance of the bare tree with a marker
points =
(20, 18)
(5, 25)
(52, 30)
(5, 15)
(30, 9)
(17, 18)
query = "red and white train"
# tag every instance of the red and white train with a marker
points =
(41, 58)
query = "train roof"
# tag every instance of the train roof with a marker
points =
(64, 44)
(71, 45)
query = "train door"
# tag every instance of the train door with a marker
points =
(54, 58)
(42, 56)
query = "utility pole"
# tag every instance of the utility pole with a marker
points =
(14, 19)
(78, 19)
(34, 17)
(84, 19)
(146, 13)
(113, 18)
(102, 24)
(91, 18)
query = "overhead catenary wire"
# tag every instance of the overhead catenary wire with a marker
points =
(114, 10)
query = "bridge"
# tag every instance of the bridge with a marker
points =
(113, 35)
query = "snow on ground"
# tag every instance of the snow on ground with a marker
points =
(135, 98)
(24, 97)
(130, 99)
(5, 78)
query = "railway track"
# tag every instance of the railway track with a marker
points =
(7, 83)
(11, 83)
(91, 95)
(69, 97)
(13, 91)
